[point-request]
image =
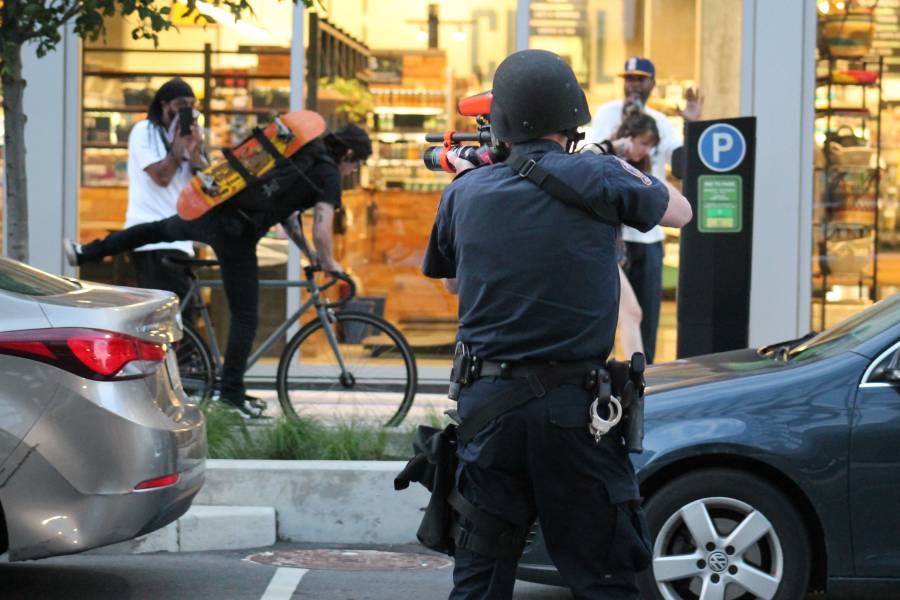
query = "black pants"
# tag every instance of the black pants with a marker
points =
(540, 461)
(154, 274)
(234, 241)
(644, 269)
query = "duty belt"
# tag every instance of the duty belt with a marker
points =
(533, 379)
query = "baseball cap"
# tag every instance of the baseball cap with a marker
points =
(638, 65)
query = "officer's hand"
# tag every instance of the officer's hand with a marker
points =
(460, 164)
(622, 146)
(592, 148)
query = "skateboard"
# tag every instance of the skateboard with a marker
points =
(252, 158)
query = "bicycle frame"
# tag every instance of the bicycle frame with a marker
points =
(322, 312)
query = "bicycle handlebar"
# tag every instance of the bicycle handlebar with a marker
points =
(335, 278)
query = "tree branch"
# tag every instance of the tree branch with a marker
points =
(73, 11)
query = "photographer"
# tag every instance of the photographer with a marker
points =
(538, 294)
(163, 152)
(310, 178)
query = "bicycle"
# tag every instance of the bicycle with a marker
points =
(339, 357)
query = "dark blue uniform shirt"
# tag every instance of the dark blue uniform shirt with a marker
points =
(538, 278)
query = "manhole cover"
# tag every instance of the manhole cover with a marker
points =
(350, 560)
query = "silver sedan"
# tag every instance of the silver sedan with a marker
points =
(97, 442)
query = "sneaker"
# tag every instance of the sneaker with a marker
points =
(72, 251)
(245, 407)
(257, 403)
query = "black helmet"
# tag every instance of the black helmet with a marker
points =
(353, 137)
(535, 94)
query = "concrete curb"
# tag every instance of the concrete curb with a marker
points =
(207, 528)
(321, 501)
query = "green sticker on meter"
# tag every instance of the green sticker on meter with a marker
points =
(721, 204)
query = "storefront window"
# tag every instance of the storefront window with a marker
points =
(421, 58)
(855, 230)
(421, 66)
(240, 73)
(596, 37)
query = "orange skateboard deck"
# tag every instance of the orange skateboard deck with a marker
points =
(220, 181)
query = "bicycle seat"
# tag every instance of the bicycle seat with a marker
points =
(190, 262)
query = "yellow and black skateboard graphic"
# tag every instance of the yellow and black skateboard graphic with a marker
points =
(251, 158)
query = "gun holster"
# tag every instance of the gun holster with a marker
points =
(463, 372)
(628, 386)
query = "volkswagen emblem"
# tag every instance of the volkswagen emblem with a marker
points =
(717, 561)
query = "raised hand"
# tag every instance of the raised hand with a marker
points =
(693, 105)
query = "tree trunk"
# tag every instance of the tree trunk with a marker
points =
(16, 225)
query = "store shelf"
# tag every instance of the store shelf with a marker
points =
(844, 111)
(104, 146)
(391, 138)
(408, 110)
(820, 83)
(192, 75)
(397, 162)
(114, 109)
(214, 112)
(846, 227)
(847, 168)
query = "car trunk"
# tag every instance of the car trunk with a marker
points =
(150, 315)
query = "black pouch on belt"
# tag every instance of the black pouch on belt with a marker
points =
(434, 466)
(628, 386)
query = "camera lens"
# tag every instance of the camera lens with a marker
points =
(432, 158)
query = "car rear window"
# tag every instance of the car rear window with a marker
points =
(22, 279)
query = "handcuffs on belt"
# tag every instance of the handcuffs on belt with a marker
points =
(599, 426)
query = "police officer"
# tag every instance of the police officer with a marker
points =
(538, 290)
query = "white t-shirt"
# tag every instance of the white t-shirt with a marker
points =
(607, 119)
(148, 201)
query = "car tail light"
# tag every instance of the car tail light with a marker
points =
(159, 482)
(90, 353)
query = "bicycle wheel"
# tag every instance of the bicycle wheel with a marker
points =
(380, 380)
(195, 364)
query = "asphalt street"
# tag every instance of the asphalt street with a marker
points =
(230, 575)
(225, 576)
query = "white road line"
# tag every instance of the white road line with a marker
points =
(284, 583)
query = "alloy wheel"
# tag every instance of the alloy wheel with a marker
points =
(718, 548)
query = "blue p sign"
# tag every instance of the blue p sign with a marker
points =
(721, 147)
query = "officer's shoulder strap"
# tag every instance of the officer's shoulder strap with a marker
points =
(531, 170)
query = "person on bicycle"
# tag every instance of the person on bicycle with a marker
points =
(233, 229)
(538, 287)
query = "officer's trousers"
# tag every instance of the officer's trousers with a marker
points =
(539, 461)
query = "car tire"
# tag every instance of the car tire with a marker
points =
(717, 502)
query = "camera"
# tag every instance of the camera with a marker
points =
(185, 120)
(488, 150)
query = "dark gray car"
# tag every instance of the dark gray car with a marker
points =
(97, 442)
